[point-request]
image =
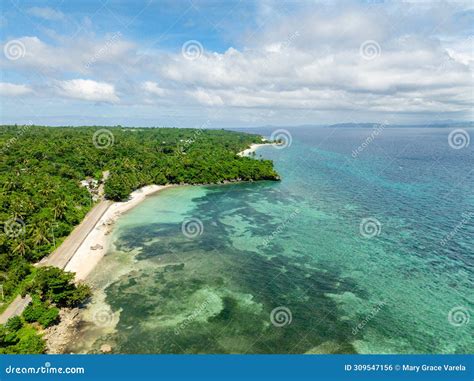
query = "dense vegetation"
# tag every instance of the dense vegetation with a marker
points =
(41, 198)
(49, 288)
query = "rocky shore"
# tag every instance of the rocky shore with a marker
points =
(58, 336)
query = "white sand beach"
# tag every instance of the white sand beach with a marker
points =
(96, 244)
(252, 148)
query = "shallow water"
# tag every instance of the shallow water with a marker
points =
(304, 249)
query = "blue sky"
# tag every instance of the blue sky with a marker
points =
(235, 63)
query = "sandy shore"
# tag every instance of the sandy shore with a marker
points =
(97, 242)
(90, 252)
(94, 247)
(252, 148)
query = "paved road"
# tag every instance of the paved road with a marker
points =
(62, 255)
(15, 308)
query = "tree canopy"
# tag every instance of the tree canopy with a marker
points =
(42, 198)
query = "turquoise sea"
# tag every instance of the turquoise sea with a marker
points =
(364, 253)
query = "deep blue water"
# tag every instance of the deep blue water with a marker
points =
(368, 254)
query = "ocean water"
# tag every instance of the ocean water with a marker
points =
(364, 253)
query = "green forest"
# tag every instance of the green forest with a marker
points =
(42, 199)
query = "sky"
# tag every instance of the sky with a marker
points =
(245, 63)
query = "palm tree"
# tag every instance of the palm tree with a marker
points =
(59, 209)
(21, 247)
(40, 234)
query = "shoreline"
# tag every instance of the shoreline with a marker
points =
(97, 242)
(92, 250)
(253, 148)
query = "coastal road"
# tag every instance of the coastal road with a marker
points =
(15, 308)
(63, 254)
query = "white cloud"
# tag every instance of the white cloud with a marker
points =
(46, 13)
(88, 90)
(11, 89)
(78, 55)
(314, 62)
(206, 98)
(152, 88)
(306, 63)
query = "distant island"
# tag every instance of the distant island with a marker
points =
(53, 176)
